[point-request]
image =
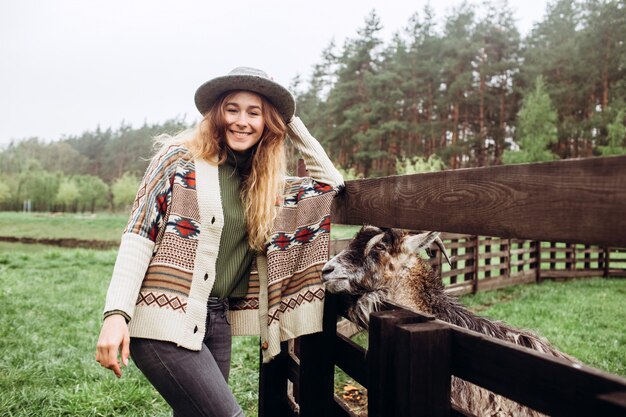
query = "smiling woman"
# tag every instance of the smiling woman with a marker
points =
(207, 243)
(244, 120)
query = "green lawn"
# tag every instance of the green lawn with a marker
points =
(96, 226)
(51, 313)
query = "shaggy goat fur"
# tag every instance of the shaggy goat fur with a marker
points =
(385, 264)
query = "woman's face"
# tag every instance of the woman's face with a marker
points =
(244, 120)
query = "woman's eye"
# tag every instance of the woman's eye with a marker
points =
(231, 110)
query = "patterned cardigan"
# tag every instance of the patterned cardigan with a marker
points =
(165, 268)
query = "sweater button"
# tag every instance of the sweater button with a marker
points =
(213, 220)
(195, 329)
(206, 276)
(264, 345)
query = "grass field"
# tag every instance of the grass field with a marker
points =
(51, 314)
(97, 226)
(52, 303)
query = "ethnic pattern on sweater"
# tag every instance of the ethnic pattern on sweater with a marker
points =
(297, 247)
(301, 236)
(166, 211)
(162, 300)
(297, 250)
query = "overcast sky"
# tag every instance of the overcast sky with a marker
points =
(67, 66)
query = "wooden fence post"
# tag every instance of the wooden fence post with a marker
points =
(488, 242)
(505, 263)
(453, 254)
(381, 388)
(273, 386)
(475, 264)
(468, 244)
(538, 259)
(316, 377)
(423, 370)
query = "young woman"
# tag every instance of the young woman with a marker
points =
(220, 242)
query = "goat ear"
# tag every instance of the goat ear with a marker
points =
(415, 243)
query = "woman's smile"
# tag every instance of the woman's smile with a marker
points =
(244, 120)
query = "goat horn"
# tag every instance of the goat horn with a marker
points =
(442, 248)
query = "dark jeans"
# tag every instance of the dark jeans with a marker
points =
(193, 383)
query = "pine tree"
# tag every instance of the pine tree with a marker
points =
(536, 128)
(616, 137)
(553, 51)
(351, 102)
(497, 61)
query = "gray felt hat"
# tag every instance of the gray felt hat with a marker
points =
(246, 78)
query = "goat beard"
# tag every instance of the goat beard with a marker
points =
(361, 306)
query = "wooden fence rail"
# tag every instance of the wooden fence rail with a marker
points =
(411, 357)
(575, 201)
(408, 365)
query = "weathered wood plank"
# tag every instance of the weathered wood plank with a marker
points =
(490, 267)
(422, 361)
(522, 251)
(565, 274)
(463, 257)
(550, 385)
(381, 389)
(316, 376)
(273, 400)
(456, 244)
(566, 201)
(458, 271)
(528, 261)
(502, 282)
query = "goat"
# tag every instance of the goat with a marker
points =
(385, 265)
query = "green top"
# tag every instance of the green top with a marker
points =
(235, 256)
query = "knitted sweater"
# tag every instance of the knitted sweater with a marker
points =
(234, 255)
(165, 268)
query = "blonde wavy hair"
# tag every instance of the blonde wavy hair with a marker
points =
(262, 189)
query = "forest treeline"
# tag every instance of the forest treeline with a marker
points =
(455, 89)
(463, 91)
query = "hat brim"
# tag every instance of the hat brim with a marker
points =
(279, 96)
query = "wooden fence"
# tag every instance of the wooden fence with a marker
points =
(411, 357)
(482, 263)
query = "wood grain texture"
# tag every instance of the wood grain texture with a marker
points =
(422, 362)
(550, 385)
(567, 201)
(381, 389)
